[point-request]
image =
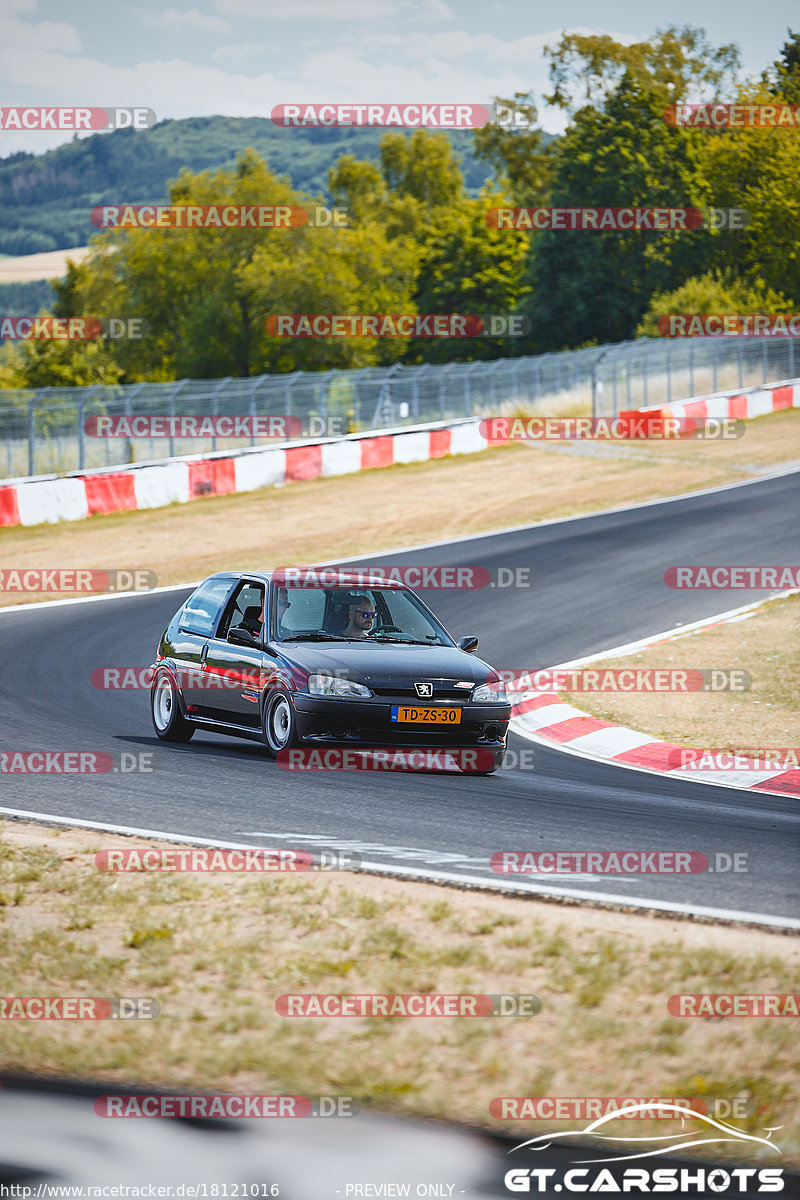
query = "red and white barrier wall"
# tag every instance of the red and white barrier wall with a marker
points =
(742, 406)
(39, 501)
(153, 485)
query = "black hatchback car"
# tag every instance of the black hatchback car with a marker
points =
(342, 665)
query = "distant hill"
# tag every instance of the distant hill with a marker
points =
(45, 200)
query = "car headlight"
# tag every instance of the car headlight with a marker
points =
(330, 685)
(490, 693)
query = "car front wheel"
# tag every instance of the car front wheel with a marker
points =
(280, 723)
(169, 723)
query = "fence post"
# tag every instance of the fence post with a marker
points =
(31, 436)
(764, 368)
(215, 406)
(81, 435)
(691, 367)
(171, 403)
(714, 364)
(739, 357)
(791, 358)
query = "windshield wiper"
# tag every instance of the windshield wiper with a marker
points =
(315, 637)
(382, 637)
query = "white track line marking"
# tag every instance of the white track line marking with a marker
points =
(477, 881)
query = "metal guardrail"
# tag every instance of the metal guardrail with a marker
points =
(42, 429)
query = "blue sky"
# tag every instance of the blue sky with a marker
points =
(241, 57)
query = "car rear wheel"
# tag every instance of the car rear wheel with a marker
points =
(280, 723)
(169, 723)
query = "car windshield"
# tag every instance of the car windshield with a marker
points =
(363, 614)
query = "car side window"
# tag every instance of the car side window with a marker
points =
(200, 612)
(245, 608)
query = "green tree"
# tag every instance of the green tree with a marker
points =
(713, 292)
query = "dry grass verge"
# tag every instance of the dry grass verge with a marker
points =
(766, 644)
(216, 950)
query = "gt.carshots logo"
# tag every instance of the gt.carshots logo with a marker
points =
(607, 1174)
(413, 1004)
(76, 579)
(710, 576)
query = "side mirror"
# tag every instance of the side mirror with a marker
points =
(468, 644)
(242, 637)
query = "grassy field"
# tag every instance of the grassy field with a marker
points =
(216, 951)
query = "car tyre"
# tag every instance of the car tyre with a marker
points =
(279, 723)
(168, 721)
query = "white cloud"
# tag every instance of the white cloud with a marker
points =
(44, 35)
(352, 12)
(185, 18)
(440, 67)
(239, 50)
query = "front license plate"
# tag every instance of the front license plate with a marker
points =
(415, 715)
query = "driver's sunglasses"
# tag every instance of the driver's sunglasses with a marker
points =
(367, 613)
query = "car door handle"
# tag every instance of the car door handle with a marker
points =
(204, 655)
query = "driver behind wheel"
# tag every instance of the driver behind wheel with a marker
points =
(362, 618)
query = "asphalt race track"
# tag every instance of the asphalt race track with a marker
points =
(597, 582)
